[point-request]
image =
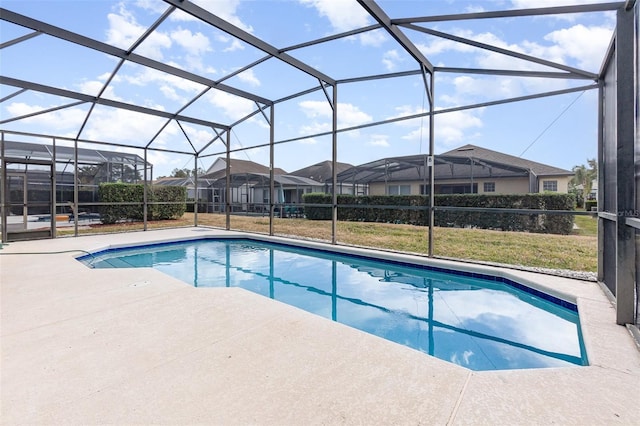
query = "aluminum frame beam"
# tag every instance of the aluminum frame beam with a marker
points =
(514, 73)
(19, 39)
(626, 96)
(506, 52)
(383, 19)
(557, 10)
(102, 101)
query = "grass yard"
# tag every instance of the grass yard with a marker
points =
(587, 225)
(576, 252)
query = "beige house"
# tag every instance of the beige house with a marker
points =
(468, 169)
(250, 184)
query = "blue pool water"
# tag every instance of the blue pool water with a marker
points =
(479, 322)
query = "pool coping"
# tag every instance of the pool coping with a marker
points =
(600, 393)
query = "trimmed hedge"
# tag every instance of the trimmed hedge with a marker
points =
(415, 210)
(134, 193)
(588, 205)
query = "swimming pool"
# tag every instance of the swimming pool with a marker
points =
(477, 321)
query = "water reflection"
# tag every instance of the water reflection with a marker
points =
(480, 324)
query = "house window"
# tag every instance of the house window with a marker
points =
(399, 189)
(489, 187)
(457, 189)
(550, 185)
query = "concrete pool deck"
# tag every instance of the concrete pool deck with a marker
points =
(119, 346)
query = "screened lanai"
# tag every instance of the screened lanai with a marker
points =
(40, 184)
(179, 83)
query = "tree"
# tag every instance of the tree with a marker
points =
(181, 173)
(582, 181)
(185, 173)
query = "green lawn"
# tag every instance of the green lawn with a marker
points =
(587, 225)
(576, 252)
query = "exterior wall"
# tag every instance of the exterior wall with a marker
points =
(503, 185)
(563, 183)
(219, 164)
(518, 185)
(378, 188)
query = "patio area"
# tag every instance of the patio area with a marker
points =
(83, 346)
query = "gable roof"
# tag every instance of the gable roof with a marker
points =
(182, 181)
(321, 172)
(479, 153)
(218, 168)
(263, 180)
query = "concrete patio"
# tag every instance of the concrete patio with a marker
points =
(83, 346)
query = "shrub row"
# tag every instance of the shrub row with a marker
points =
(413, 210)
(134, 193)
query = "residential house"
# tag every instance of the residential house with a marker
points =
(250, 182)
(323, 172)
(468, 169)
(204, 193)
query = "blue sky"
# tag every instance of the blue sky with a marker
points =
(559, 130)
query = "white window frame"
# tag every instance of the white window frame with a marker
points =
(399, 189)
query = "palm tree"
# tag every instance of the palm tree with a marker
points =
(584, 176)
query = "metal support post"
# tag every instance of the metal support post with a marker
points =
(227, 188)
(145, 196)
(334, 171)
(625, 238)
(197, 191)
(271, 166)
(75, 187)
(432, 186)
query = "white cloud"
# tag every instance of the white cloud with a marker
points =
(569, 17)
(452, 128)
(587, 45)
(194, 43)
(123, 31)
(474, 9)
(93, 87)
(379, 140)
(133, 128)
(579, 45)
(152, 5)
(170, 93)
(405, 111)
(314, 128)
(308, 141)
(199, 137)
(348, 115)
(233, 106)
(390, 59)
(167, 83)
(468, 89)
(233, 46)
(527, 4)
(68, 119)
(440, 45)
(249, 77)
(227, 10)
(343, 15)
(373, 38)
